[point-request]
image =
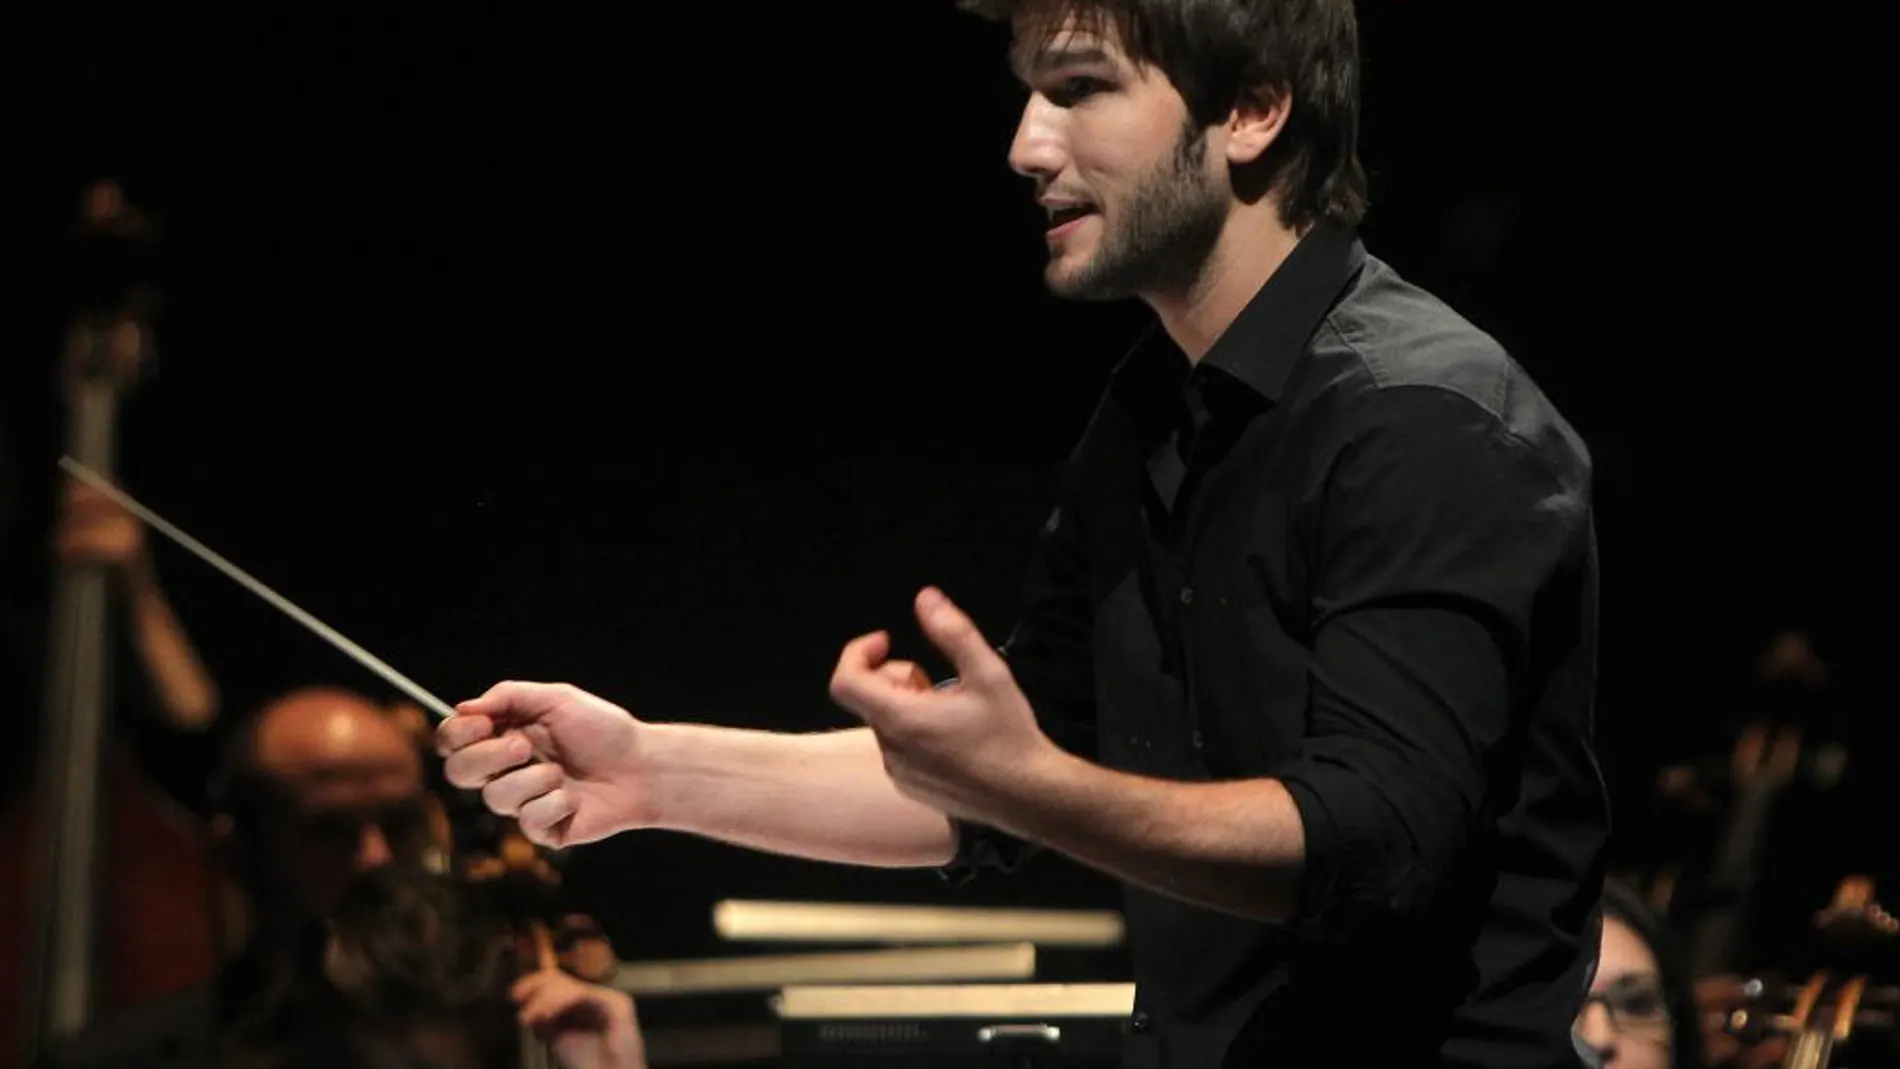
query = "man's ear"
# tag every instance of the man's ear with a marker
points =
(1256, 123)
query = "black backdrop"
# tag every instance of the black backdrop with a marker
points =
(663, 352)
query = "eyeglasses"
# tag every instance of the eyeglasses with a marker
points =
(1634, 1007)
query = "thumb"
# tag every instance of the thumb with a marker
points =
(954, 633)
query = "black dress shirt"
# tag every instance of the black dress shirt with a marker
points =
(1351, 549)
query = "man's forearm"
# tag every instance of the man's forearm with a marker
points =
(186, 694)
(823, 796)
(1235, 846)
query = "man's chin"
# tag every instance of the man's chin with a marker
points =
(1071, 283)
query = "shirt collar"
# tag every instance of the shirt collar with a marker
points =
(1267, 338)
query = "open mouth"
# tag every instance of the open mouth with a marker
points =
(1062, 217)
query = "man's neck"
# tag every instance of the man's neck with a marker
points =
(1250, 250)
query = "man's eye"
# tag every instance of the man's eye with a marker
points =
(1642, 1003)
(1073, 90)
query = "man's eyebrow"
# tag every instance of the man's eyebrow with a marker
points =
(1051, 59)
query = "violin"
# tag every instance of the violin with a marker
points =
(1842, 1011)
(525, 882)
(527, 885)
(480, 847)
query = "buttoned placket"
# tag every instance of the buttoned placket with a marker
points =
(1175, 467)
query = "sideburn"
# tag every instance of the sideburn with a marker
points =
(1174, 221)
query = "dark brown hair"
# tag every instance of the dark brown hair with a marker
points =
(404, 949)
(1216, 52)
(1622, 903)
(406, 943)
(410, 948)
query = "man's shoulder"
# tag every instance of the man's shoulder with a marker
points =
(1389, 341)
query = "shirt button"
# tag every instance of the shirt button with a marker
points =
(1187, 594)
(1140, 1022)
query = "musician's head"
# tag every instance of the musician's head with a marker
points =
(1641, 1012)
(1169, 132)
(320, 785)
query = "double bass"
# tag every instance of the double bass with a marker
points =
(107, 885)
(1723, 805)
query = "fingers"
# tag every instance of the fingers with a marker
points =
(475, 764)
(866, 652)
(906, 675)
(953, 632)
(855, 681)
(95, 528)
(537, 984)
(461, 730)
(544, 819)
(509, 793)
(83, 497)
(547, 996)
(870, 687)
(543, 996)
(86, 505)
(510, 702)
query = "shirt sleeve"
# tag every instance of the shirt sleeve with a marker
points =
(1049, 654)
(1438, 534)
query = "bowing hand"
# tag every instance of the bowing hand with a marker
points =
(94, 529)
(959, 748)
(589, 1026)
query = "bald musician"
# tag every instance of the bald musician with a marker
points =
(319, 788)
(327, 786)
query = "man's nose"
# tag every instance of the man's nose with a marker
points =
(372, 849)
(1037, 149)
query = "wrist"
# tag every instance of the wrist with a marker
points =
(1044, 782)
(657, 761)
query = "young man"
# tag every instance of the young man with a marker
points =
(1307, 656)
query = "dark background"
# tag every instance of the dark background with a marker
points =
(662, 350)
